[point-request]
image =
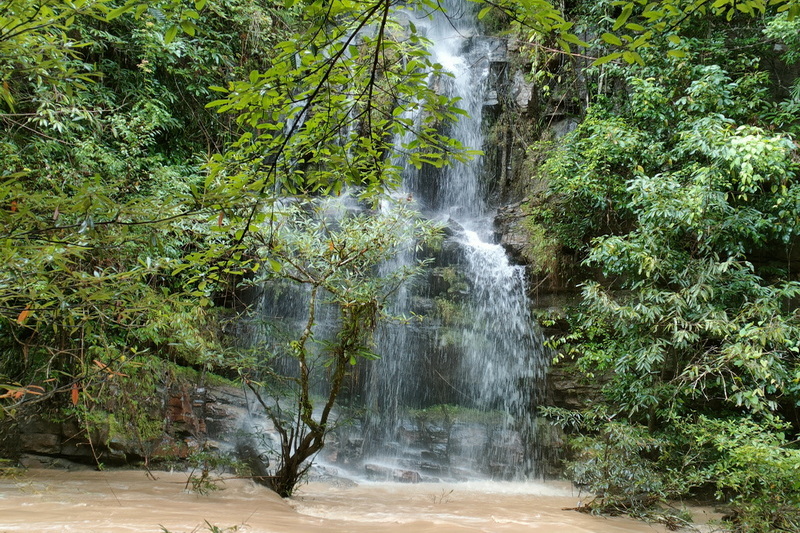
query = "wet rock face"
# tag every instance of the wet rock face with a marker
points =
(41, 437)
(63, 440)
(193, 416)
(429, 451)
(513, 235)
(523, 93)
(568, 388)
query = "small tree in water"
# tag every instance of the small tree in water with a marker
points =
(338, 261)
(345, 102)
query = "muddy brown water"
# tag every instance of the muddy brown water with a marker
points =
(128, 501)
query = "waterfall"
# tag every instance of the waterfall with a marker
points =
(454, 392)
(453, 396)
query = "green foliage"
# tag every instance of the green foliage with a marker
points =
(540, 249)
(616, 462)
(755, 462)
(320, 84)
(638, 25)
(682, 200)
(594, 182)
(631, 469)
(684, 263)
(784, 30)
(535, 18)
(38, 44)
(96, 191)
(784, 113)
(206, 466)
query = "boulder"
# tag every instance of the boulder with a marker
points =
(377, 472)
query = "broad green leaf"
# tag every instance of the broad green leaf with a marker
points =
(217, 103)
(170, 34)
(607, 59)
(612, 39)
(632, 57)
(114, 13)
(624, 16)
(188, 27)
(572, 38)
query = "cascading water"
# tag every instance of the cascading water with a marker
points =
(454, 394)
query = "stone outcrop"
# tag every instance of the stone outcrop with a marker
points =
(194, 417)
(385, 473)
(570, 389)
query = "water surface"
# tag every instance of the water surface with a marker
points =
(127, 501)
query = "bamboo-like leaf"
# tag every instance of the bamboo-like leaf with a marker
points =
(75, 394)
(23, 315)
(115, 13)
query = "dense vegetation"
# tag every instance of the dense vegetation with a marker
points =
(679, 191)
(103, 139)
(147, 148)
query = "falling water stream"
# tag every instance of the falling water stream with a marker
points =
(452, 396)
